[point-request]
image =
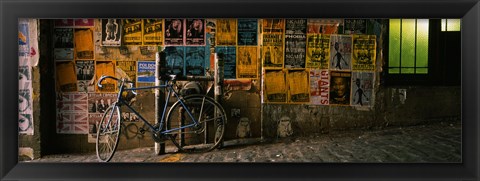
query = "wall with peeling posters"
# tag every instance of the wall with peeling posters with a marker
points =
(283, 77)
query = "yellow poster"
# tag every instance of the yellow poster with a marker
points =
(226, 32)
(318, 51)
(83, 44)
(66, 77)
(105, 68)
(298, 86)
(153, 31)
(273, 26)
(132, 31)
(273, 43)
(364, 52)
(247, 62)
(275, 86)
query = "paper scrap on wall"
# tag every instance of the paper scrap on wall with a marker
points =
(341, 52)
(362, 85)
(153, 31)
(174, 31)
(364, 52)
(298, 86)
(195, 32)
(111, 32)
(226, 32)
(295, 43)
(319, 87)
(247, 62)
(340, 88)
(195, 60)
(72, 113)
(275, 86)
(132, 31)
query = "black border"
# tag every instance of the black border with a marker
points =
(12, 10)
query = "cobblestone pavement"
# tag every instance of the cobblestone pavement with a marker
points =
(440, 142)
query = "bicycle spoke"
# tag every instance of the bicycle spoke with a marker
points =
(201, 135)
(108, 134)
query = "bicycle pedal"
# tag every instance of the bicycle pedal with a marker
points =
(141, 130)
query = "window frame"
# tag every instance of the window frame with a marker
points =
(437, 66)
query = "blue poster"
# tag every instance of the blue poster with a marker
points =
(175, 60)
(195, 60)
(247, 31)
(228, 54)
(146, 71)
(23, 39)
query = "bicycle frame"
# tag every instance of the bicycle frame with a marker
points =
(169, 88)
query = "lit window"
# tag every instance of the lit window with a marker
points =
(408, 46)
(450, 24)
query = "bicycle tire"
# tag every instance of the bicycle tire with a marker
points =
(201, 138)
(108, 134)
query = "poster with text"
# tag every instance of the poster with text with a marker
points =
(106, 68)
(275, 86)
(362, 87)
(195, 60)
(247, 62)
(228, 54)
(324, 26)
(295, 43)
(272, 51)
(112, 32)
(298, 86)
(152, 31)
(132, 31)
(340, 88)
(226, 32)
(63, 44)
(174, 31)
(276, 26)
(72, 113)
(85, 69)
(341, 52)
(364, 52)
(195, 32)
(66, 76)
(84, 44)
(318, 51)
(355, 26)
(99, 102)
(247, 32)
(175, 60)
(319, 87)
(146, 71)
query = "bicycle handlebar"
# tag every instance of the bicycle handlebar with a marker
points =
(114, 78)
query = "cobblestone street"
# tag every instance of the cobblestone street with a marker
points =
(440, 142)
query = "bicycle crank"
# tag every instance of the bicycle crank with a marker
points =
(157, 136)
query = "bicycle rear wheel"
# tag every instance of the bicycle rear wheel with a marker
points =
(191, 137)
(108, 131)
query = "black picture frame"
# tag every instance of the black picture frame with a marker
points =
(10, 169)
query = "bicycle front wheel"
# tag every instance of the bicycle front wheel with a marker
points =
(204, 136)
(108, 131)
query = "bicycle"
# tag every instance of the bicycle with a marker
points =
(188, 123)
